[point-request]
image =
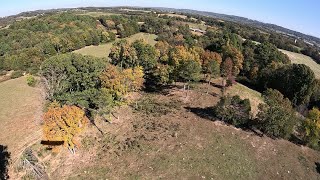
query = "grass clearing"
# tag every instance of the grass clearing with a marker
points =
(198, 26)
(20, 114)
(219, 158)
(297, 58)
(246, 93)
(103, 50)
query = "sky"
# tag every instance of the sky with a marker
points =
(299, 15)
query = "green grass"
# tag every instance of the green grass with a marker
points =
(103, 50)
(297, 58)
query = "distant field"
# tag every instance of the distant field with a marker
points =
(104, 49)
(20, 114)
(302, 59)
(135, 10)
(247, 93)
(97, 14)
(198, 26)
(174, 15)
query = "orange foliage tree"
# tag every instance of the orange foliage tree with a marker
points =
(64, 124)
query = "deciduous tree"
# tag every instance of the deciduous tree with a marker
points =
(311, 127)
(277, 117)
(123, 55)
(64, 124)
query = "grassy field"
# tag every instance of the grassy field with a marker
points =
(20, 113)
(198, 26)
(103, 50)
(302, 59)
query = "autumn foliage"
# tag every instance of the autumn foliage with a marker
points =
(120, 82)
(64, 124)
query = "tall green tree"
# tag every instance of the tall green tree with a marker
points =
(74, 79)
(277, 117)
(147, 55)
(123, 55)
(294, 81)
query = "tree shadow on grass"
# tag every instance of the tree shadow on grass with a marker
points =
(296, 140)
(208, 113)
(318, 167)
(4, 162)
(205, 113)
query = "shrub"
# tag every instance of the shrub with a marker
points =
(233, 110)
(2, 73)
(151, 106)
(16, 74)
(31, 81)
(4, 162)
(276, 117)
(311, 127)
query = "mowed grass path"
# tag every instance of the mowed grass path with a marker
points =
(297, 58)
(20, 114)
(103, 50)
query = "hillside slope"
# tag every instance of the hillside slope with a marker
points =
(183, 142)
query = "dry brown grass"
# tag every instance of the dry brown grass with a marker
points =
(20, 114)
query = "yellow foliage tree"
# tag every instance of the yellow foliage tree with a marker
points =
(163, 47)
(181, 53)
(133, 79)
(112, 80)
(120, 82)
(312, 128)
(64, 124)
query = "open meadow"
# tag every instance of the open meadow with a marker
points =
(21, 109)
(103, 50)
(303, 59)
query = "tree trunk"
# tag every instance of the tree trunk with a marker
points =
(223, 89)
